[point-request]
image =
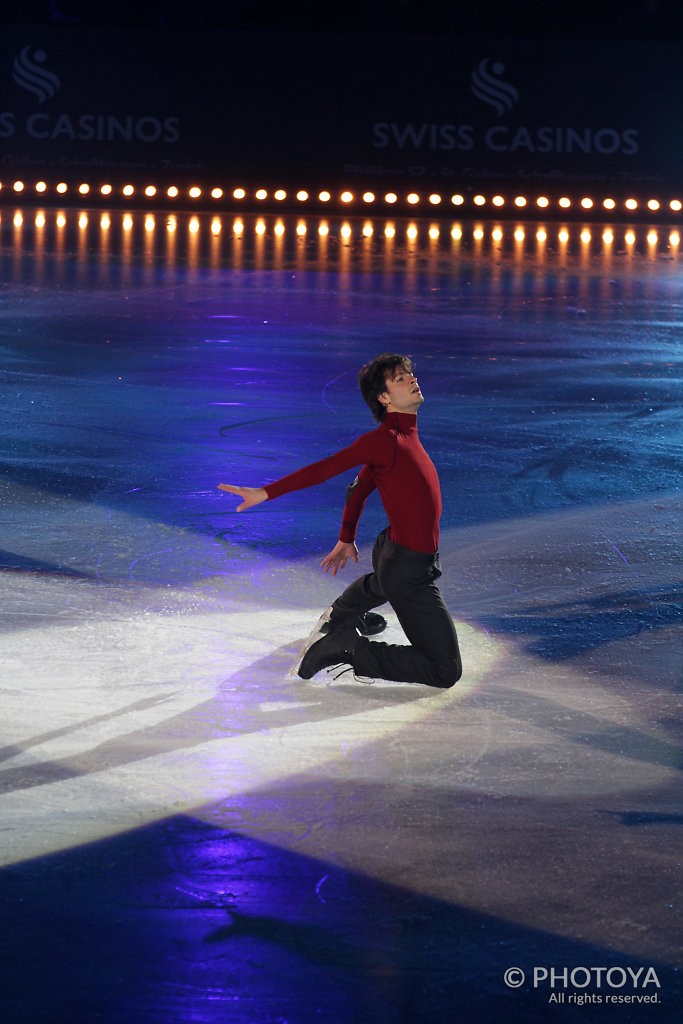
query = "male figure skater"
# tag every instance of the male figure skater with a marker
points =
(405, 558)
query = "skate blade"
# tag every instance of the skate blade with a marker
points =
(316, 634)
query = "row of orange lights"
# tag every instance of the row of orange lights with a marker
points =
(347, 198)
(497, 234)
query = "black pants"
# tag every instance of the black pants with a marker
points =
(407, 580)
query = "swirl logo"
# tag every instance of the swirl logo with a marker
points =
(29, 75)
(487, 87)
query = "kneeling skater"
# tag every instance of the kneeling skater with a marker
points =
(405, 558)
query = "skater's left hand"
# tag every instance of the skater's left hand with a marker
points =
(339, 556)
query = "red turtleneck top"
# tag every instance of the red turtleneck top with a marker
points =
(395, 463)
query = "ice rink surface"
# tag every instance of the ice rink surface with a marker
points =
(190, 835)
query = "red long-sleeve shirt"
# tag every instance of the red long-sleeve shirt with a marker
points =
(395, 463)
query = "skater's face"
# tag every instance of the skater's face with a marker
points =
(402, 392)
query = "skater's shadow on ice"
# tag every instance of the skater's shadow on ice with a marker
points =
(258, 697)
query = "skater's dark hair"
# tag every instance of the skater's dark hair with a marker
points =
(372, 379)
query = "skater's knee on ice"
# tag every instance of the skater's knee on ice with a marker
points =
(449, 673)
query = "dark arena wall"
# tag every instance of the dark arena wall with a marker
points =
(293, 109)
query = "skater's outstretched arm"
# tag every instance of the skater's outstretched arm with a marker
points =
(339, 556)
(316, 473)
(250, 495)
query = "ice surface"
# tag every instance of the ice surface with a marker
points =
(147, 628)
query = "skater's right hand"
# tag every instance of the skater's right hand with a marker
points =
(250, 495)
(339, 556)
